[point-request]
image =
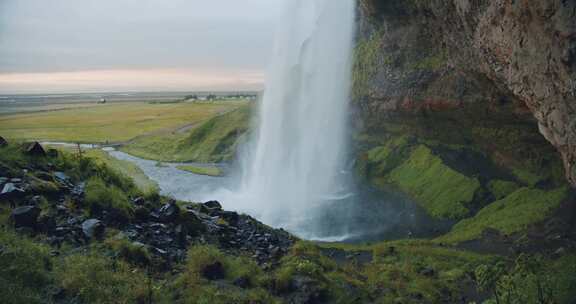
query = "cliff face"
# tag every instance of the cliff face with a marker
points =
(496, 75)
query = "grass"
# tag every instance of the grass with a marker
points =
(24, 269)
(509, 215)
(115, 122)
(100, 197)
(142, 181)
(213, 141)
(442, 191)
(500, 188)
(210, 171)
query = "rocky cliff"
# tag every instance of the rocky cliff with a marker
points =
(495, 76)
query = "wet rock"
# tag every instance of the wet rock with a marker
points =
(169, 212)
(139, 201)
(61, 177)
(78, 190)
(230, 217)
(141, 214)
(10, 191)
(26, 216)
(213, 271)
(93, 228)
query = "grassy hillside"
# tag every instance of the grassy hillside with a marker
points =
(212, 141)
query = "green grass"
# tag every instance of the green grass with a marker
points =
(142, 181)
(213, 141)
(101, 197)
(442, 191)
(500, 189)
(512, 214)
(24, 269)
(115, 122)
(210, 171)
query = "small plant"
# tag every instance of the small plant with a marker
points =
(101, 197)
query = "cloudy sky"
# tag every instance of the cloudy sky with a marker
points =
(118, 45)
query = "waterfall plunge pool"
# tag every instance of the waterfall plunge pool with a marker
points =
(365, 216)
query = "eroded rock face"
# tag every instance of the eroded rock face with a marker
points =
(422, 57)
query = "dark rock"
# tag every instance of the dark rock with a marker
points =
(169, 212)
(213, 205)
(26, 216)
(141, 214)
(231, 217)
(34, 149)
(427, 272)
(192, 222)
(139, 201)
(10, 191)
(306, 291)
(242, 282)
(213, 271)
(61, 176)
(93, 228)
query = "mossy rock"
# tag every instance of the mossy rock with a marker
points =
(512, 214)
(500, 189)
(442, 191)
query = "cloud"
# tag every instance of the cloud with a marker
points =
(39, 36)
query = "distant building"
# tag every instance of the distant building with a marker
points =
(102, 101)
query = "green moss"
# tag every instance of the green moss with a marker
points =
(442, 191)
(527, 177)
(512, 214)
(210, 171)
(500, 189)
(384, 158)
(365, 63)
(431, 62)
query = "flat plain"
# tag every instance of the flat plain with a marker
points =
(110, 123)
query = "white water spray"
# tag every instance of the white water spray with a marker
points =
(296, 160)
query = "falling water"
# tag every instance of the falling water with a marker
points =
(295, 166)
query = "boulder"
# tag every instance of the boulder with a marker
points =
(213, 271)
(10, 191)
(169, 212)
(213, 205)
(26, 216)
(93, 228)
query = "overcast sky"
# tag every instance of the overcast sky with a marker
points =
(98, 45)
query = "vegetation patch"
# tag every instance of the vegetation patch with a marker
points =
(500, 188)
(100, 197)
(212, 141)
(210, 171)
(115, 122)
(512, 214)
(442, 191)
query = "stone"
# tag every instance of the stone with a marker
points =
(10, 191)
(169, 212)
(213, 205)
(427, 272)
(213, 271)
(93, 228)
(192, 222)
(26, 216)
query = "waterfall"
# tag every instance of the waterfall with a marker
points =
(293, 170)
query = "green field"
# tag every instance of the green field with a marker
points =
(114, 122)
(210, 171)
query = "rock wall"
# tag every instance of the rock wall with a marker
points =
(494, 74)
